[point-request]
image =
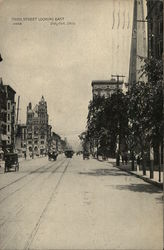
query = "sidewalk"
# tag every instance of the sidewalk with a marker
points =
(139, 174)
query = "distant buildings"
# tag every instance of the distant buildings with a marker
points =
(36, 137)
(105, 87)
(55, 143)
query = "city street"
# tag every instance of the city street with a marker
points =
(78, 204)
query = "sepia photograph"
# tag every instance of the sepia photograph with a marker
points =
(81, 125)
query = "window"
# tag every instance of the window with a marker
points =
(42, 137)
(42, 142)
(161, 7)
(13, 108)
(160, 27)
(160, 49)
(8, 117)
(8, 128)
(8, 105)
(29, 142)
(29, 136)
(29, 128)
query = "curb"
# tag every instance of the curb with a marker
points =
(157, 184)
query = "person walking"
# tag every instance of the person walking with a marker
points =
(126, 159)
(138, 163)
(25, 155)
(123, 158)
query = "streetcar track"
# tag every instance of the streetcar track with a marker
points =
(45, 180)
(6, 197)
(22, 177)
(21, 207)
(37, 225)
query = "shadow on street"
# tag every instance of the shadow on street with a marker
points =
(147, 188)
(160, 199)
(105, 172)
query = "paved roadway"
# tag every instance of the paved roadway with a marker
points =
(76, 204)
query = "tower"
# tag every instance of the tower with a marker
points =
(43, 125)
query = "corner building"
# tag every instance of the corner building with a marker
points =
(37, 128)
(105, 87)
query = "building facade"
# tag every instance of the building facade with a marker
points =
(38, 129)
(7, 117)
(105, 87)
(3, 111)
(10, 117)
(155, 28)
(55, 144)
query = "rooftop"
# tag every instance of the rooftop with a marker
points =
(10, 88)
(109, 82)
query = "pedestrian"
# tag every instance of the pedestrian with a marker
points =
(138, 163)
(25, 155)
(126, 159)
(1, 157)
(123, 159)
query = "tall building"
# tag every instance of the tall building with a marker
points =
(7, 117)
(155, 28)
(105, 87)
(38, 129)
(3, 111)
(10, 117)
(138, 42)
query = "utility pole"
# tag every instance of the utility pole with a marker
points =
(118, 77)
(16, 125)
(17, 111)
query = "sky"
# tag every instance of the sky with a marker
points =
(55, 48)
